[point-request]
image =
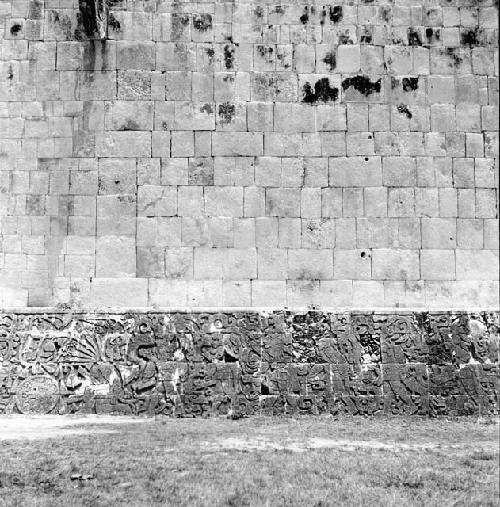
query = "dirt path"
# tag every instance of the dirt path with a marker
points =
(20, 427)
(17, 427)
(258, 444)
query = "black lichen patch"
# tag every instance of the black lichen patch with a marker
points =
(366, 36)
(385, 14)
(210, 52)
(331, 60)
(178, 24)
(403, 109)
(202, 22)
(259, 11)
(410, 84)
(470, 37)
(263, 50)
(305, 16)
(206, 108)
(323, 92)
(414, 37)
(362, 84)
(228, 56)
(452, 53)
(10, 73)
(281, 58)
(432, 35)
(336, 13)
(113, 23)
(226, 113)
(345, 37)
(15, 29)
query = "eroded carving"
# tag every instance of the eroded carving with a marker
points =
(194, 364)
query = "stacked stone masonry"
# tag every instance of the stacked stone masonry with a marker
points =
(211, 153)
(246, 363)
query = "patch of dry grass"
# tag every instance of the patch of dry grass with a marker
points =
(185, 463)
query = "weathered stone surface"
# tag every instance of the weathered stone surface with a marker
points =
(350, 147)
(200, 364)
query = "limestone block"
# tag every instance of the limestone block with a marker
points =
(268, 293)
(119, 292)
(306, 264)
(395, 264)
(283, 202)
(123, 144)
(156, 201)
(224, 201)
(116, 215)
(438, 233)
(115, 257)
(437, 264)
(128, 115)
(271, 264)
(355, 171)
(237, 144)
(477, 264)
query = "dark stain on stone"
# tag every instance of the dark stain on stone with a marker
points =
(385, 14)
(362, 84)
(336, 13)
(229, 38)
(331, 60)
(345, 38)
(452, 53)
(228, 56)
(226, 113)
(15, 29)
(410, 84)
(323, 16)
(35, 9)
(470, 38)
(413, 37)
(432, 34)
(130, 125)
(202, 22)
(113, 23)
(263, 50)
(305, 17)
(281, 57)
(279, 9)
(10, 73)
(259, 11)
(90, 55)
(323, 92)
(366, 36)
(210, 52)
(206, 108)
(178, 24)
(89, 15)
(403, 109)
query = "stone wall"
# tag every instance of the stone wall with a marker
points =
(245, 363)
(212, 153)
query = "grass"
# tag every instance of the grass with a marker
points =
(180, 463)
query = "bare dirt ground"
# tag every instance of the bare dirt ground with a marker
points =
(23, 427)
